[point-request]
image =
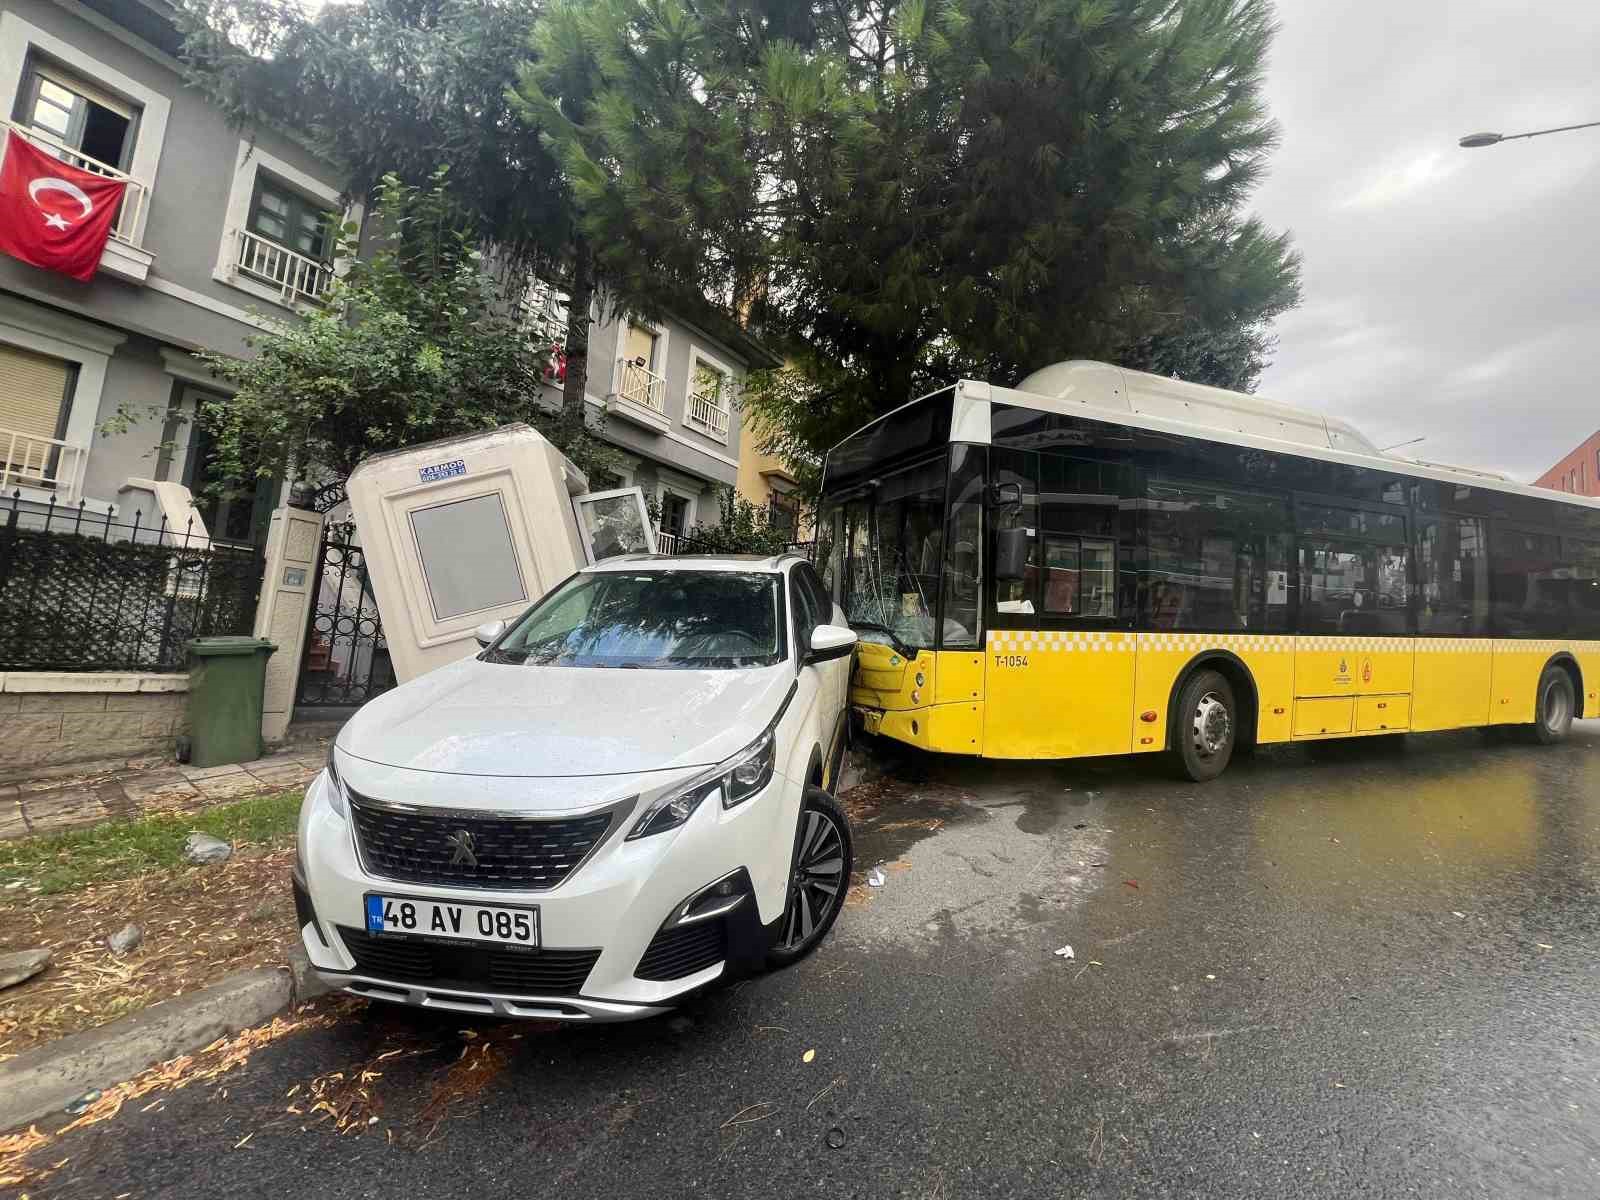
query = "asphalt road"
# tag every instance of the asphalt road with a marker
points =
(1371, 971)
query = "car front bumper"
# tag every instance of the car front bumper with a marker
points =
(615, 903)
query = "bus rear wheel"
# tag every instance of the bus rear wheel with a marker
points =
(1552, 714)
(1204, 726)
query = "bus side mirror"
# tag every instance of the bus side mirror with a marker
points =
(1010, 554)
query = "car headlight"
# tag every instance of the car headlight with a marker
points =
(335, 785)
(738, 778)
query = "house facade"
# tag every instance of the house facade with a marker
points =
(665, 394)
(217, 229)
(1578, 471)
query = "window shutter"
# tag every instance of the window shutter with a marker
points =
(33, 392)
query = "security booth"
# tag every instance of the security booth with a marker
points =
(470, 530)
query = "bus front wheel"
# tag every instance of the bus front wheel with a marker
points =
(1205, 725)
(1552, 716)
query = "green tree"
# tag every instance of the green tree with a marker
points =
(986, 186)
(436, 351)
(741, 528)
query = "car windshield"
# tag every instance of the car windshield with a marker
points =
(662, 619)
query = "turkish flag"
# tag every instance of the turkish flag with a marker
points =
(52, 214)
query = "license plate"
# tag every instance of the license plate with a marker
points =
(445, 920)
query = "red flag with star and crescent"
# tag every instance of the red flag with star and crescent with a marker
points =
(52, 214)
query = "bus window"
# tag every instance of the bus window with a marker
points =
(1453, 577)
(1353, 588)
(1016, 506)
(1585, 559)
(894, 555)
(1529, 585)
(963, 573)
(1215, 558)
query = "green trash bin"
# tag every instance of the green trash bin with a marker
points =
(226, 679)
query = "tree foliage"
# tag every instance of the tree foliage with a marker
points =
(436, 351)
(742, 528)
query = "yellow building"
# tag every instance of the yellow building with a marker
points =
(767, 483)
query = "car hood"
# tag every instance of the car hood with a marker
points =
(496, 719)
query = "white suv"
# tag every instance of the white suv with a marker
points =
(617, 802)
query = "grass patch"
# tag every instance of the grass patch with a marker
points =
(64, 862)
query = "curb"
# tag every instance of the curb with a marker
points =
(41, 1081)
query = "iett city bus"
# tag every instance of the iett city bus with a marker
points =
(1100, 561)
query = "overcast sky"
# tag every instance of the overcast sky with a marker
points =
(1447, 292)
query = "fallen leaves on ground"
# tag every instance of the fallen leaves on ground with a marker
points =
(218, 1059)
(200, 924)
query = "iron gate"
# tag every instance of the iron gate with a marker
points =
(346, 660)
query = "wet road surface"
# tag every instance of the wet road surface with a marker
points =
(1369, 971)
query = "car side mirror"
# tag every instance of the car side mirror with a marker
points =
(486, 634)
(829, 642)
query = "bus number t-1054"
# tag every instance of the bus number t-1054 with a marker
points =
(1010, 660)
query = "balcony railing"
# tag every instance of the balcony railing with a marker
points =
(708, 413)
(48, 463)
(296, 277)
(639, 385)
(666, 543)
(126, 228)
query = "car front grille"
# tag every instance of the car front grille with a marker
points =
(441, 846)
(683, 950)
(402, 959)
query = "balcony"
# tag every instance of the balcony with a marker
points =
(640, 397)
(51, 465)
(294, 278)
(666, 543)
(124, 255)
(708, 414)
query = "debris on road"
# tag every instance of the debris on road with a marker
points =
(1133, 883)
(203, 850)
(22, 965)
(1065, 952)
(126, 940)
(876, 877)
(835, 1138)
(808, 1056)
(80, 1104)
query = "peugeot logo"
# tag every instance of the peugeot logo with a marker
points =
(462, 852)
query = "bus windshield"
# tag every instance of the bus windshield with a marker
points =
(891, 561)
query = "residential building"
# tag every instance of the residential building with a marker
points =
(668, 392)
(1578, 471)
(217, 228)
(769, 485)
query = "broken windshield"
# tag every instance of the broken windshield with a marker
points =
(894, 555)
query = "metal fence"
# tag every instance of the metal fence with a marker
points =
(82, 591)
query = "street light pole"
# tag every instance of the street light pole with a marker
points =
(1473, 140)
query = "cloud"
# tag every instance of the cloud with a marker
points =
(1448, 293)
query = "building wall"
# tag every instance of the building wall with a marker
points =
(189, 214)
(49, 721)
(1577, 472)
(763, 479)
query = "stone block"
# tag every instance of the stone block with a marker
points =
(283, 775)
(11, 823)
(62, 702)
(97, 727)
(37, 759)
(68, 808)
(16, 732)
(157, 725)
(223, 787)
(147, 702)
(9, 704)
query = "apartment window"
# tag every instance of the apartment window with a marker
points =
(711, 383)
(783, 515)
(674, 514)
(93, 122)
(35, 397)
(289, 219)
(710, 396)
(641, 347)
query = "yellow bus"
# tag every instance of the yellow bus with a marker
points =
(1105, 562)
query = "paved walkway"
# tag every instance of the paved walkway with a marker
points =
(50, 806)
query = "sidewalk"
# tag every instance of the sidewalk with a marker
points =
(53, 805)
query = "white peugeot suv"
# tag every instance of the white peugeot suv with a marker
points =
(617, 802)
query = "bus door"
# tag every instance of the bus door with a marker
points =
(1455, 655)
(1059, 661)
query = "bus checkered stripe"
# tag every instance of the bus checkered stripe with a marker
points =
(1091, 641)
